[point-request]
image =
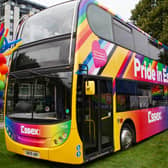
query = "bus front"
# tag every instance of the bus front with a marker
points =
(38, 108)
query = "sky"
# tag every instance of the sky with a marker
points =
(121, 7)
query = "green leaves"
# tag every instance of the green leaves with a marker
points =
(152, 19)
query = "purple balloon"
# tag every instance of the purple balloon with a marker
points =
(1, 103)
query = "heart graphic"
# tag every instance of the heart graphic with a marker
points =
(99, 55)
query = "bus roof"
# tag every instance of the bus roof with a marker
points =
(131, 25)
(155, 41)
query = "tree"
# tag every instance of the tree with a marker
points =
(152, 17)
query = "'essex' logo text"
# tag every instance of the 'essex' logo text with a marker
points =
(29, 131)
(153, 117)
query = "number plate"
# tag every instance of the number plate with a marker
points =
(32, 154)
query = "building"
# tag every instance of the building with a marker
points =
(12, 10)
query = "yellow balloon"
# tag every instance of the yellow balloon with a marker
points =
(2, 77)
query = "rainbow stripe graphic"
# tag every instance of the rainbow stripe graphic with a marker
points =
(97, 55)
(145, 123)
(165, 90)
(108, 59)
(38, 135)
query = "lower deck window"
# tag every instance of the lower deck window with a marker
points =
(132, 95)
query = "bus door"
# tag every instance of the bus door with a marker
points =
(96, 123)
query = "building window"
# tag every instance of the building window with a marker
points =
(22, 6)
(13, 4)
(11, 17)
(11, 38)
(12, 12)
(11, 26)
(2, 11)
(11, 35)
(12, 8)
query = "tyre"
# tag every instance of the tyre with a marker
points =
(127, 137)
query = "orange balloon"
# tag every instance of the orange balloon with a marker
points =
(3, 69)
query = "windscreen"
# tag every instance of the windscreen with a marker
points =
(54, 21)
(42, 97)
(52, 53)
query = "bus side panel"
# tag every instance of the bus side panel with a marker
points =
(87, 42)
(119, 62)
(116, 125)
(147, 122)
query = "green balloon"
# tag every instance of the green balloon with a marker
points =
(2, 85)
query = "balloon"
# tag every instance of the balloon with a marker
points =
(3, 69)
(6, 33)
(2, 77)
(6, 49)
(1, 103)
(1, 94)
(2, 85)
(10, 51)
(2, 26)
(2, 59)
(2, 41)
(1, 32)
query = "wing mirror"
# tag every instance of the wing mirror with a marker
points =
(89, 87)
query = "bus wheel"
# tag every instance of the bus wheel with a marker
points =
(127, 136)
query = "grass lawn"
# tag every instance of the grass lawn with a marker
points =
(151, 153)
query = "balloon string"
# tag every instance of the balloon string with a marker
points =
(2, 40)
(6, 33)
(2, 26)
(7, 53)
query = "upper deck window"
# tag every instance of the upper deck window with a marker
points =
(43, 55)
(51, 22)
(105, 26)
(100, 21)
(123, 34)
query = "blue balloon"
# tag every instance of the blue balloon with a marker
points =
(1, 94)
(7, 44)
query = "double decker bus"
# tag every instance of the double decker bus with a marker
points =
(83, 84)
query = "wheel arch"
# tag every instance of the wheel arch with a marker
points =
(132, 125)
